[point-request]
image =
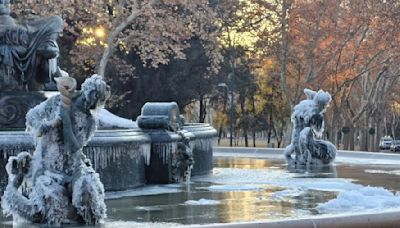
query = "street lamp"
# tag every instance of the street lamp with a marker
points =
(224, 85)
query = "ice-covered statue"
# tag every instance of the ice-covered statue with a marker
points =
(57, 184)
(308, 128)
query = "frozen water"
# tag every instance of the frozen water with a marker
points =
(144, 191)
(125, 224)
(262, 178)
(218, 188)
(308, 127)
(255, 190)
(367, 161)
(109, 120)
(202, 202)
(392, 172)
(361, 199)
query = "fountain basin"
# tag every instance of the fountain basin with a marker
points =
(125, 158)
(253, 188)
(164, 144)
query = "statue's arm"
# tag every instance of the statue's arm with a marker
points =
(69, 136)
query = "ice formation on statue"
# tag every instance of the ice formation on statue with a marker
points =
(109, 120)
(57, 184)
(308, 128)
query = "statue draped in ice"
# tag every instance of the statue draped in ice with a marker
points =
(308, 128)
(57, 184)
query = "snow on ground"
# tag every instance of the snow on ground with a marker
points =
(362, 199)
(109, 120)
(202, 202)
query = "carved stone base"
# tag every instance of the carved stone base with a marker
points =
(15, 105)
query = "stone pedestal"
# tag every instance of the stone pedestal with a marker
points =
(15, 105)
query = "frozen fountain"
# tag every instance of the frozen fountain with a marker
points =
(57, 183)
(308, 127)
(162, 150)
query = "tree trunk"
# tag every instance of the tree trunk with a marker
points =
(202, 111)
(352, 138)
(378, 133)
(284, 50)
(111, 41)
(349, 136)
(253, 104)
(220, 133)
(364, 135)
(244, 122)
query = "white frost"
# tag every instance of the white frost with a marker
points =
(202, 202)
(144, 191)
(362, 199)
(229, 188)
(109, 120)
(391, 172)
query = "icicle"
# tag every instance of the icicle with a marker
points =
(188, 174)
(52, 67)
(146, 153)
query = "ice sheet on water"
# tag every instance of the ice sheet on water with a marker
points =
(272, 177)
(287, 193)
(391, 172)
(229, 188)
(362, 199)
(366, 161)
(127, 224)
(202, 202)
(144, 191)
(148, 208)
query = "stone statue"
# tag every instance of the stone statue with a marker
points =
(28, 60)
(182, 160)
(28, 52)
(57, 184)
(308, 127)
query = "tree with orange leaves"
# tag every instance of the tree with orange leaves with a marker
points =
(157, 30)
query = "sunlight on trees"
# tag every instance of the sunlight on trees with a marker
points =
(349, 48)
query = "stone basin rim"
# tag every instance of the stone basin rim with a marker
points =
(389, 218)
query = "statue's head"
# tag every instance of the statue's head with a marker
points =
(4, 7)
(96, 91)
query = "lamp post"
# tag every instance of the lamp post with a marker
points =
(224, 85)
